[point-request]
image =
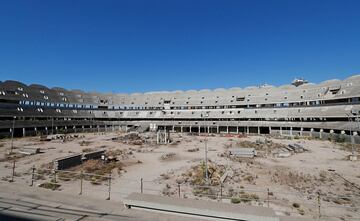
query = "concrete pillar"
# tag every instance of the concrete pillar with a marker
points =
(190, 129)
(247, 130)
(321, 133)
(173, 128)
(227, 129)
(352, 138)
(269, 130)
(181, 129)
(237, 129)
(217, 129)
(281, 131)
(258, 130)
(208, 128)
(291, 131)
(113, 128)
(23, 131)
(83, 128)
(301, 131)
(199, 129)
(46, 129)
(311, 132)
(98, 127)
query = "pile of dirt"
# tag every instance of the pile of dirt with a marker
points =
(131, 138)
(119, 154)
(168, 156)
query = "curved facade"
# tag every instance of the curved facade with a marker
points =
(331, 107)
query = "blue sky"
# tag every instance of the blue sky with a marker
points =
(143, 45)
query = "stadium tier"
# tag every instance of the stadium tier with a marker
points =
(326, 110)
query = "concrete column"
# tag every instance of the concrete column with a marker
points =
(237, 129)
(83, 128)
(173, 129)
(321, 133)
(258, 130)
(311, 132)
(227, 129)
(98, 127)
(181, 129)
(24, 133)
(199, 129)
(208, 128)
(291, 131)
(217, 129)
(301, 131)
(352, 138)
(247, 130)
(269, 130)
(281, 131)
(190, 129)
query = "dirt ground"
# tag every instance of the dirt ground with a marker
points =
(320, 181)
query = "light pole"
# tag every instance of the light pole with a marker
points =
(12, 134)
(206, 157)
(351, 136)
(355, 113)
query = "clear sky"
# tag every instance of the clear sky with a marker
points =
(151, 45)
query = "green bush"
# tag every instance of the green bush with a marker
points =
(235, 200)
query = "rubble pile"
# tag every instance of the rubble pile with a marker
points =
(132, 139)
(168, 156)
(196, 174)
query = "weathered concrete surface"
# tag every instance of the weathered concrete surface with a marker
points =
(201, 208)
(34, 203)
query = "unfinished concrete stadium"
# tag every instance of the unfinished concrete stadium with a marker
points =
(257, 153)
(302, 108)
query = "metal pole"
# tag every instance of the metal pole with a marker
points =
(109, 178)
(206, 160)
(13, 172)
(141, 185)
(81, 182)
(32, 176)
(351, 139)
(319, 205)
(12, 135)
(206, 157)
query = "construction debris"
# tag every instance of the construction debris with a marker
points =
(132, 138)
(297, 148)
(167, 156)
(29, 150)
(44, 138)
(243, 152)
(163, 137)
